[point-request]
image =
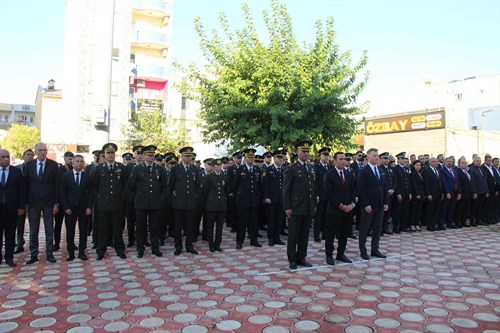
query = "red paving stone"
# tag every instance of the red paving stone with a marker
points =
(432, 282)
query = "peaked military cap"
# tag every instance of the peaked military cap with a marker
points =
(110, 148)
(384, 155)
(127, 156)
(138, 149)
(172, 160)
(304, 145)
(401, 155)
(217, 161)
(324, 150)
(237, 154)
(224, 160)
(250, 152)
(149, 150)
(208, 161)
(279, 153)
(267, 154)
(187, 151)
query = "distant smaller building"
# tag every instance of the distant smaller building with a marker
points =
(23, 114)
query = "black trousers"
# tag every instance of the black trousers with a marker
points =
(400, 212)
(232, 213)
(8, 224)
(477, 206)
(21, 222)
(387, 215)
(111, 223)
(488, 212)
(247, 218)
(145, 217)
(95, 225)
(298, 237)
(371, 221)
(166, 222)
(184, 219)
(320, 218)
(215, 219)
(78, 215)
(48, 223)
(58, 222)
(462, 210)
(275, 215)
(262, 217)
(131, 221)
(339, 224)
(199, 217)
(415, 214)
(432, 212)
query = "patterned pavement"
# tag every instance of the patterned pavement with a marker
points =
(433, 282)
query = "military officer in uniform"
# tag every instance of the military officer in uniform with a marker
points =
(89, 169)
(320, 169)
(232, 211)
(110, 179)
(127, 158)
(299, 202)
(272, 192)
(402, 196)
(246, 187)
(215, 190)
(59, 217)
(167, 213)
(200, 204)
(147, 181)
(391, 185)
(129, 209)
(184, 183)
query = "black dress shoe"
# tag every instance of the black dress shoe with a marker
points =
(233, 230)
(122, 256)
(10, 262)
(140, 254)
(130, 244)
(256, 244)
(365, 256)
(284, 233)
(158, 253)
(259, 236)
(378, 254)
(19, 249)
(195, 240)
(83, 256)
(352, 237)
(148, 244)
(71, 257)
(473, 225)
(162, 242)
(397, 231)
(279, 242)
(218, 249)
(406, 230)
(212, 249)
(56, 248)
(32, 260)
(99, 257)
(293, 265)
(343, 258)
(270, 243)
(430, 229)
(317, 240)
(330, 261)
(441, 227)
(52, 259)
(192, 250)
(239, 246)
(177, 252)
(304, 263)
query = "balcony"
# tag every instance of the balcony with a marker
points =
(151, 72)
(149, 39)
(155, 8)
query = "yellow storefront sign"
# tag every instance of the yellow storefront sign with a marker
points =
(405, 123)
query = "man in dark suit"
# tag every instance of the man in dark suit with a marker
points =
(272, 192)
(76, 198)
(479, 180)
(434, 194)
(462, 208)
(402, 196)
(340, 189)
(372, 193)
(232, 211)
(496, 170)
(28, 155)
(59, 217)
(130, 210)
(451, 191)
(320, 169)
(167, 223)
(391, 184)
(42, 185)
(92, 221)
(109, 180)
(12, 204)
(246, 189)
(147, 181)
(488, 213)
(184, 183)
(299, 202)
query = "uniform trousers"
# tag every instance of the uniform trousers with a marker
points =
(184, 219)
(214, 219)
(111, 223)
(247, 219)
(275, 215)
(145, 217)
(298, 237)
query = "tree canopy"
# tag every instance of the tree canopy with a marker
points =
(19, 138)
(275, 93)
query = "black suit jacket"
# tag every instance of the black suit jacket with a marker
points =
(272, 184)
(43, 192)
(339, 193)
(247, 187)
(109, 186)
(215, 190)
(184, 186)
(403, 182)
(371, 191)
(490, 179)
(148, 186)
(71, 195)
(479, 179)
(433, 185)
(467, 185)
(14, 190)
(417, 185)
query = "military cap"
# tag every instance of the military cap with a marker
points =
(169, 154)
(127, 156)
(194, 155)
(149, 150)
(237, 154)
(267, 154)
(224, 160)
(384, 155)
(304, 145)
(186, 151)
(158, 157)
(324, 150)
(348, 155)
(401, 155)
(138, 149)
(259, 158)
(358, 152)
(69, 154)
(294, 157)
(250, 152)
(279, 153)
(110, 148)
(96, 152)
(171, 160)
(217, 161)
(208, 161)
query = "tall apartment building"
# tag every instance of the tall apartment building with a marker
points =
(116, 62)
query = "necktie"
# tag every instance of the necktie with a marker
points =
(40, 171)
(452, 174)
(110, 167)
(3, 175)
(436, 172)
(150, 168)
(342, 178)
(78, 179)
(326, 167)
(250, 170)
(376, 173)
(468, 176)
(186, 168)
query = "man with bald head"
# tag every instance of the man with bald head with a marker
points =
(12, 204)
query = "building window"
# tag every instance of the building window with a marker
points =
(6, 118)
(458, 97)
(184, 103)
(31, 119)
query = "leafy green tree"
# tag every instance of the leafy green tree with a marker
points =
(19, 138)
(275, 93)
(154, 127)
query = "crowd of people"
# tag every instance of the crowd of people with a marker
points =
(157, 196)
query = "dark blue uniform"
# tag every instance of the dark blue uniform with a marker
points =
(272, 189)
